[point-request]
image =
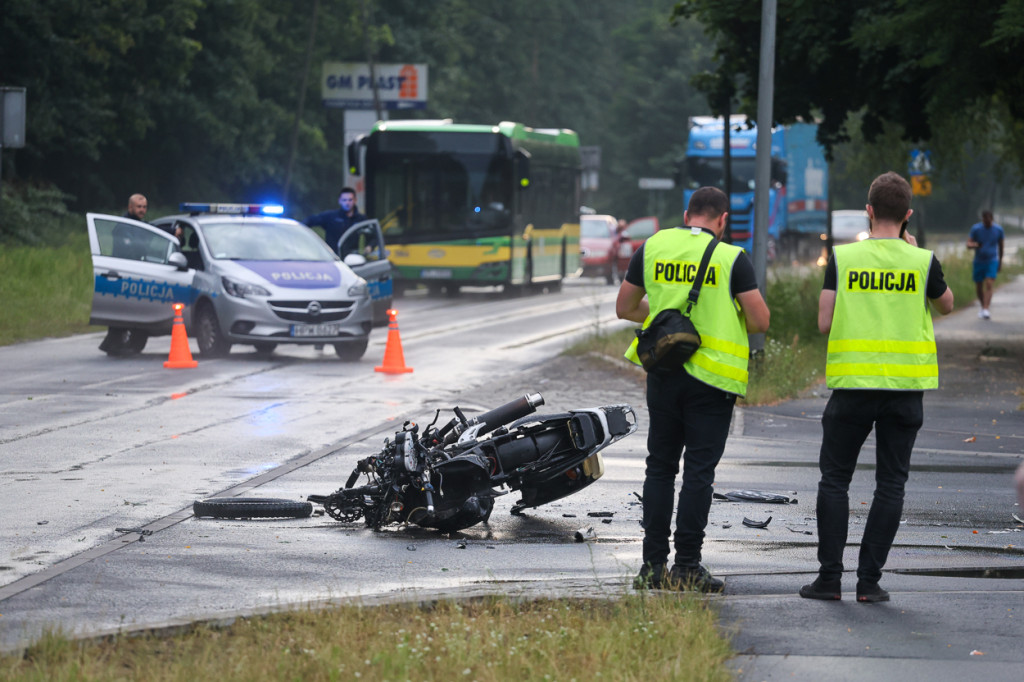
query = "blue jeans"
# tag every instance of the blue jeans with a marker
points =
(684, 413)
(848, 419)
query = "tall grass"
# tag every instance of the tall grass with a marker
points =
(46, 290)
(635, 637)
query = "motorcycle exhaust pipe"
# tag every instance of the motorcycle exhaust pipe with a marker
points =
(509, 412)
(499, 416)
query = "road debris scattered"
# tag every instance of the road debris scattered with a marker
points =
(755, 496)
(141, 531)
(756, 524)
(584, 534)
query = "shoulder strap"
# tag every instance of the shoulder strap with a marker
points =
(699, 279)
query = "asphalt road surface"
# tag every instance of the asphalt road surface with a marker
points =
(92, 444)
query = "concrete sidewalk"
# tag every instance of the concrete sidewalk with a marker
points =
(955, 572)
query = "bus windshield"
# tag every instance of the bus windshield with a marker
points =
(440, 183)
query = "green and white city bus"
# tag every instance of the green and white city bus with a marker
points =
(477, 205)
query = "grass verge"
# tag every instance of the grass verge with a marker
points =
(637, 636)
(46, 290)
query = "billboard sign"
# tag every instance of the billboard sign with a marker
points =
(347, 85)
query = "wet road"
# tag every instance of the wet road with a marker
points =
(958, 525)
(89, 443)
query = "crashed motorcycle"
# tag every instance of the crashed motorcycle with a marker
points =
(447, 477)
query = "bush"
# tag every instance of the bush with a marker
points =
(34, 215)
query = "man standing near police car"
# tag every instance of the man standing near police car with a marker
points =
(874, 306)
(690, 406)
(336, 222)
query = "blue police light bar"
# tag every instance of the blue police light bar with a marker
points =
(235, 209)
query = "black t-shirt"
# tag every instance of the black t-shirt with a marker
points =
(936, 280)
(742, 280)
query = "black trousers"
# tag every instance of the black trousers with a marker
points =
(684, 412)
(848, 419)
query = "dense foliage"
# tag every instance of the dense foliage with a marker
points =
(205, 99)
(893, 75)
(197, 99)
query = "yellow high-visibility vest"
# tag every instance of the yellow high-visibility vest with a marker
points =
(671, 260)
(882, 335)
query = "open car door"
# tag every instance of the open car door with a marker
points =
(138, 272)
(362, 249)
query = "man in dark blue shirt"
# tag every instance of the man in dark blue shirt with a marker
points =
(986, 239)
(336, 222)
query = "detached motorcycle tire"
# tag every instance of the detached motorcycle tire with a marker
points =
(251, 508)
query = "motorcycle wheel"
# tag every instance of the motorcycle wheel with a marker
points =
(251, 508)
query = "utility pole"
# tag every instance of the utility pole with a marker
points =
(369, 42)
(762, 175)
(292, 149)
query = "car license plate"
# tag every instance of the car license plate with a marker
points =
(436, 273)
(315, 329)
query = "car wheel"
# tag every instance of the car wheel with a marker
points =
(265, 347)
(137, 340)
(351, 351)
(210, 338)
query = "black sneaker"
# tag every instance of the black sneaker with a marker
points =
(870, 592)
(693, 578)
(827, 590)
(650, 577)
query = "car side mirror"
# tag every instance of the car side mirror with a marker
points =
(354, 260)
(178, 260)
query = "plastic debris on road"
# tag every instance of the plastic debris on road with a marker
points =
(755, 496)
(756, 524)
(584, 534)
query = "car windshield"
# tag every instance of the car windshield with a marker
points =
(849, 224)
(593, 228)
(265, 240)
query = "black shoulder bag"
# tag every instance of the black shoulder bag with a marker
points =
(670, 339)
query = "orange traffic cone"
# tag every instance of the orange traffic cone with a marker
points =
(394, 359)
(181, 356)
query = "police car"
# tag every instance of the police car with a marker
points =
(246, 276)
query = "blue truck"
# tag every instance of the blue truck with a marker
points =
(797, 197)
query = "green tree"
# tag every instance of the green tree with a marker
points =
(924, 66)
(95, 75)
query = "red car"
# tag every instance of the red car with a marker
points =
(639, 229)
(604, 251)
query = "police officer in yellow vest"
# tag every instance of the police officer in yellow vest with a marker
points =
(881, 359)
(690, 406)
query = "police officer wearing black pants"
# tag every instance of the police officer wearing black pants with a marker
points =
(874, 305)
(690, 407)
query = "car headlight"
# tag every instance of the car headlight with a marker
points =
(242, 289)
(358, 290)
